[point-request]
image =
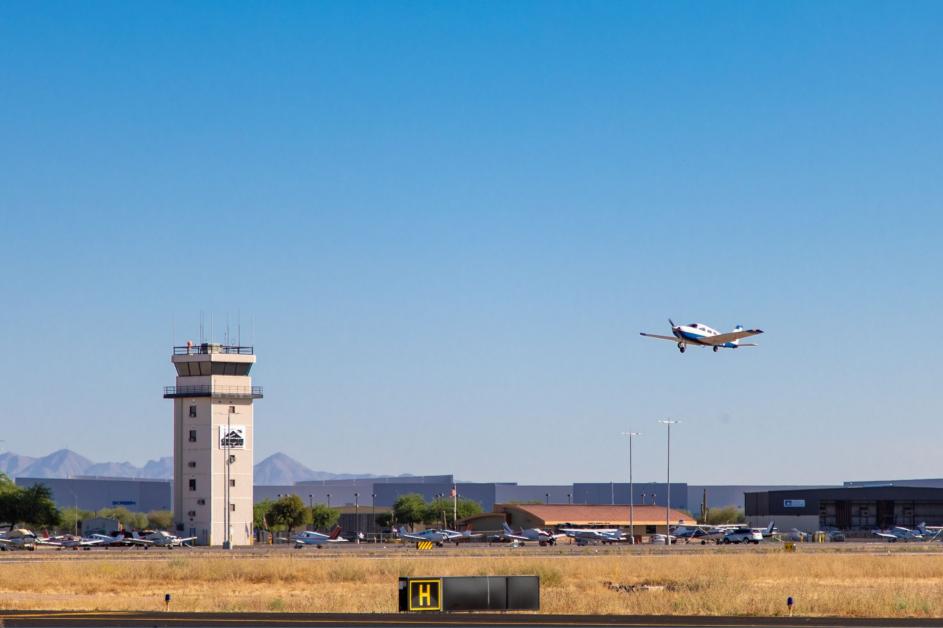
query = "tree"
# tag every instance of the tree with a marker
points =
(323, 517)
(72, 518)
(727, 514)
(409, 509)
(442, 508)
(6, 484)
(31, 505)
(288, 512)
(260, 512)
(128, 520)
(160, 519)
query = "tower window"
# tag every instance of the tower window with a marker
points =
(232, 409)
(232, 458)
(191, 464)
(192, 485)
(232, 482)
(192, 436)
(232, 507)
(201, 502)
(192, 412)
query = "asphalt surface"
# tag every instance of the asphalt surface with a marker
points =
(61, 619)
(395, 550)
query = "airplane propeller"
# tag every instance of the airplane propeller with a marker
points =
(672, 323)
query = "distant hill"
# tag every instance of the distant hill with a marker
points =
(277, 469)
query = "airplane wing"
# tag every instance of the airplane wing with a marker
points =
(884, 535)
(517, 537)
(671, 338)
(720, 339)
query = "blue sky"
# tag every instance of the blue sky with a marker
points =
(444, 224)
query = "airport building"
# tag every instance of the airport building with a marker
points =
(645, 519)
(95, 493)
(213, 437)
(856, 508)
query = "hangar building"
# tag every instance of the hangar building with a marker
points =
(862, 508)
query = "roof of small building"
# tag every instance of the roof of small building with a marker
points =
(598, 515)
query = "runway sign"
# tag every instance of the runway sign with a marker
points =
(424, 545)
(425, 594)
(469, 593)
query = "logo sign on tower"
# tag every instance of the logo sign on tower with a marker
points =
(232, 436)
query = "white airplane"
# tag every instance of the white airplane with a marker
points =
(701, 335)
(899, 533)
(318, 539)
(601, 535)
(533, 535)
(70, 541)
(439, 537)
(160, 538)
(19, 539)
(120, 539)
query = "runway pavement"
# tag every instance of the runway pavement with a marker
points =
(61, 619)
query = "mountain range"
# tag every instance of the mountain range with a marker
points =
(277, 469)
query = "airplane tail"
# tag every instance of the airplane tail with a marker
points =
(402, 531)
(336, 532)
(507, 528)
(770, 528)
(737, 328)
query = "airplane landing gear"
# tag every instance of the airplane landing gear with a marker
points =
(681, 347)
(715, 349)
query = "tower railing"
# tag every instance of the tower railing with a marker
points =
(208, 390)
(211, 347)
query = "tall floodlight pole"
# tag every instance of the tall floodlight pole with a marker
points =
(669, 423)
(631, 435)
(227, 520)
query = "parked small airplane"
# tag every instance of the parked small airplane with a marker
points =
(319, 539)
(160, 538)
(439, 537)
(533, 535)
(120, 539)
(70, 541)
(899, 533)
(701, 335)
(19, 539)
(600, 535)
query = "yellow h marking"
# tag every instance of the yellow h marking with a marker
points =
(425, 595)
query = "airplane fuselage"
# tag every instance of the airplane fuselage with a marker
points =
(695, 333)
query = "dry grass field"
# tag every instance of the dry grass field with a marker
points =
(891, 585)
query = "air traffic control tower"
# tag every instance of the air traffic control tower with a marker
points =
(213, 436)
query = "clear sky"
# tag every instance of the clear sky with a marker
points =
(444, 224)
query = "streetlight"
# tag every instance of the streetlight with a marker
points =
(631, 487)
(357, 514)
(547, 497)
(569, 498)
(373, 515)
(328, 500)
(227, 442)
(669, 423)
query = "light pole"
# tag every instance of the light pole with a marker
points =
(227, 442)
(357, 514)
(669, 423)
(569, 498)
(373, 515)
(75, 503)
(631, 435)
(547, 498)
(328, 500)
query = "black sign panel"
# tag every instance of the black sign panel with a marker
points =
(470, 593)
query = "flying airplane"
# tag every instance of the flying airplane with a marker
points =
(533, 535)
(701, 335)
(439, 537)
(318, 539)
